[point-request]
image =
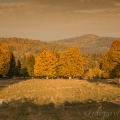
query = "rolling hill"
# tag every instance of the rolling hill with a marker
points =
(20, 46)
(87, 43)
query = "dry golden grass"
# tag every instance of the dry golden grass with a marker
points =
(58, 91)
(58, 95)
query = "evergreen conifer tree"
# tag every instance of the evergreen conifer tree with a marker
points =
(12, 69)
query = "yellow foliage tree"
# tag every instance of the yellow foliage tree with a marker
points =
(96, 71)
(71, 63)
(46, 64)
(111, 61)
(5, 56)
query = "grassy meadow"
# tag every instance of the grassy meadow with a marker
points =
(40, 99)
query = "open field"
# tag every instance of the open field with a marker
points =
(37, 99)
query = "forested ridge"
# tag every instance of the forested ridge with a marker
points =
(53, 63)
(20, 46)
(86, 43)
(89, 43)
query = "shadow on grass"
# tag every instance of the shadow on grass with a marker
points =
(27, 110)
(5, 82)
(104, 81)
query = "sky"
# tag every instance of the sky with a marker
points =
(49, 20)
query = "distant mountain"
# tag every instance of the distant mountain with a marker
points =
(89, 43)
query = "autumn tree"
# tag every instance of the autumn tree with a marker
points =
(46, 64)
(96, 70)
(30, 59)
(27, 66)
(56, 52)
(23, 72)
(5, 56)
(24, 61)
(71, 63)
(111, 61)
(89, 60)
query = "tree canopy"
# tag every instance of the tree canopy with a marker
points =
(12, 68)
(46, 64)
(30, 64)
(71, 63)
(111, 61)
(5, 57)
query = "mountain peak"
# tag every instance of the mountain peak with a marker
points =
(90, 35)
(89, 43)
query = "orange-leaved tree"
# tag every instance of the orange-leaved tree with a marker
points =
(71, 63)
(111, 61)
(5, 56)
(46, 64)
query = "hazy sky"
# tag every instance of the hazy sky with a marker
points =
(58, 19)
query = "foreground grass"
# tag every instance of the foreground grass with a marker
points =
(59, 100)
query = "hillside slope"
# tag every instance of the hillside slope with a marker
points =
(89, 43)
(20, 46)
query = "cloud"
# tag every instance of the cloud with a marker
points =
(19, 9)
(90, 11)
(9, 1)
(77, 6)
(117, 3)
(32, 7)
(74, 3)
(61, 15)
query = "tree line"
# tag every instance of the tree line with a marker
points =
(71, 63)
